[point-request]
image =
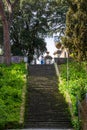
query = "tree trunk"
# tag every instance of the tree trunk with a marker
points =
(6, 38)
(7, 49)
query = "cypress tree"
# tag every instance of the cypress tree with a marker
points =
(76, 29)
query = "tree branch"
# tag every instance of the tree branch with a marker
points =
(8, 1)
(2, 13)
(14, 3)
(9, 5)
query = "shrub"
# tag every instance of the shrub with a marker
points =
(12, 80)
(75, 86)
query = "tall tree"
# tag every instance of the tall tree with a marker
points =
(28, 29)
(76, 29)
(58, 9)
(53, 17)
(1, 34)
(6, 22)
(36, 19)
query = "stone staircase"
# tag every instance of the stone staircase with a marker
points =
(45, 106)
(42, 70)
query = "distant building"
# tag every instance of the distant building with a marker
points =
(61, 53)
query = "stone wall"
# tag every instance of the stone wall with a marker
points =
(61, 60)
(84, 114)
(1, 59)
(14, 59)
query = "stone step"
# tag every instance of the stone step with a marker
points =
(60, 125)
(42, 70)
(45, 106)
(45, 129)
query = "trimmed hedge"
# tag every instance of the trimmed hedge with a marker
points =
(12, 80)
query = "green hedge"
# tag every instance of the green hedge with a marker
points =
(75, 86)
(12, 80)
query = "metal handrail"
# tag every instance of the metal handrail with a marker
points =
(80, 107)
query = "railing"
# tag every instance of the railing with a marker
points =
(82, 112)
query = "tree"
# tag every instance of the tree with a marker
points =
(76, 29)
(51, 7)
(27, 31)
(58, 9)
(53, 12)
(1, 34)
(35, 20)
(6, 22)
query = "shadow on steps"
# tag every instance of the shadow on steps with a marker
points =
(45, 106)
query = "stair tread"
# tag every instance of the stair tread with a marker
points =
(45, 106)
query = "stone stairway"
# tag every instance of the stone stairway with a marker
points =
(45, 106)
(42, 70)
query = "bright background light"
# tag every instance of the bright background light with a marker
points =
(50, 46)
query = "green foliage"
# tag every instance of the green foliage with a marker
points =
(12, 80)
(76, 29)
(76, 84)
(32, 22)
(27, 38)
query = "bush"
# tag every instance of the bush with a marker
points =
(12, 80)
(76, 84)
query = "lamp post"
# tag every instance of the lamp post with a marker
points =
(35, 56)
(26, 61)
(58, 46)
(67, 66)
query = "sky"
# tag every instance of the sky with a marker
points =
(50, 46)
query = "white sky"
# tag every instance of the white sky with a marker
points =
(50, 46)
